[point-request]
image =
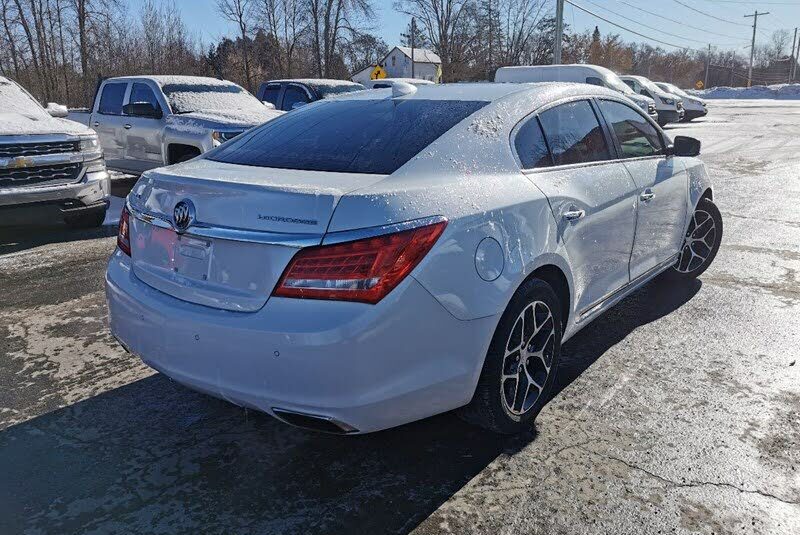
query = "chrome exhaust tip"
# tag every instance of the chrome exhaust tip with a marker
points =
(313, 422)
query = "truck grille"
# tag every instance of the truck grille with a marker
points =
(35, 149)
(39, 176)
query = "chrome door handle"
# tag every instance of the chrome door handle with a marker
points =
(574, 215)
(647, 195)
(126, 126)
(97, 123)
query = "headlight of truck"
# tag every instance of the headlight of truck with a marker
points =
(89, 144)
(221, 137)
(667, 101)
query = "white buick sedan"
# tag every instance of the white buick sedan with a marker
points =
(385, 256)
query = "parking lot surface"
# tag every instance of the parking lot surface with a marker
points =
(676, 412)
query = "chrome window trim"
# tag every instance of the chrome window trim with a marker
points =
(344, 236)
(286, 239)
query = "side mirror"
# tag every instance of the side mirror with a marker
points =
(142, 109)
(686, 146)
(268, 105)
(298, 104)
(57, 110)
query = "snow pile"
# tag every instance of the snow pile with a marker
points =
(775, 92)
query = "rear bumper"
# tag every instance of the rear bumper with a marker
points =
(52, 204)
(367, 366)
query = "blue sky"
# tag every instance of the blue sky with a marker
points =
(731, 32)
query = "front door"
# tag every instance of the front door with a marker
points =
(593, 201)
(662, 186)
(108, 122)
(143, 135)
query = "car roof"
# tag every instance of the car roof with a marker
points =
(487, 91)
(313, 81)
(164, 79)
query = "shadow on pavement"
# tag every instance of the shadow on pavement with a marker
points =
(155, 457)
(15, 239)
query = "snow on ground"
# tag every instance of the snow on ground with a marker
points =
(776, 92)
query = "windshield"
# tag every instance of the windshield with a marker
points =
(14, 98)
(190, 97)
(669, 88)
(614, 82)
(347, 136)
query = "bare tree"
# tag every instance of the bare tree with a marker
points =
(240, 12)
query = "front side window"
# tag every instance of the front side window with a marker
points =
(531, 146)
(594, 80)
(636, 136)
(142, 93)
(292, 96)
(574, 133)
(271, 92)
(347, 136)
(111, 98)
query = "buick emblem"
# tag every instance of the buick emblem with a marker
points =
(183, 215)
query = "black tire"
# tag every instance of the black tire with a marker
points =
(488, 408)
(691, 266)
(91, 220)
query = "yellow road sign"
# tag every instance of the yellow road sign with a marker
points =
(699, 84)
(377, 73)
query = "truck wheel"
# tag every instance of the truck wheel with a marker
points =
(521, 363)
(91, 220)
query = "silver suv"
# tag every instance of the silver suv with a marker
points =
(51, 169)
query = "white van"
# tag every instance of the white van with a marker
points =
(669, 106)
(577, 73)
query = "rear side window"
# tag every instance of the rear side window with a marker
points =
(574, 133)
(143, 93)
(531, 146)
(594, 80)
(292, 96)
(270, 94)
(636, 136)
(111, 99)
(349, 136)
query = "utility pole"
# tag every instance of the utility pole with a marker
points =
(796, 59)
(753, 44)
(791, 58)
(708, 64)
(413, 38)
(559, 32)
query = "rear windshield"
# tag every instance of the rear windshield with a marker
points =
(325, 90)
(348, 136)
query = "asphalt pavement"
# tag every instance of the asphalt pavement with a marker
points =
(676, 412)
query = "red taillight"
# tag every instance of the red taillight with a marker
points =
(362, 270)
(123, 233)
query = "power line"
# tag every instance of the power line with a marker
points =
(653, 28)
(570, 2)
(682, 23)
(710, 15)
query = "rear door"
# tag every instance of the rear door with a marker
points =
(592, 197)
(143, 136)
(661, 182)
(108, 122)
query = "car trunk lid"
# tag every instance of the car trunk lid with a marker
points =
(248, 223)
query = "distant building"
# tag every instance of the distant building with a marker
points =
(397, 64)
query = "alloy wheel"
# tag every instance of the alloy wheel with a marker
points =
(528, 358)
(699, 242)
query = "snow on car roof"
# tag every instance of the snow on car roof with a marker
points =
(328, 82)
(162, 79)
(486, 91)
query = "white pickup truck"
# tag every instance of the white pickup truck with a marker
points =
(149, 121)
(51, 169)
